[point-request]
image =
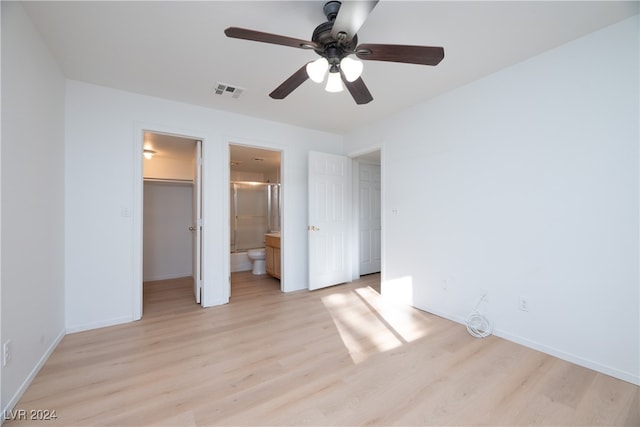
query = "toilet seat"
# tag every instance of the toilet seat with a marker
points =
(259, 253)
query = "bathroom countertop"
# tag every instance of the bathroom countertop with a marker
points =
(274, 234)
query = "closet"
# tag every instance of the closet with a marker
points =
(168, 206)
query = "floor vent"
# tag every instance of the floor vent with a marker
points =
(228, 90)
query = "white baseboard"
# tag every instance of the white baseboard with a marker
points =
(607, 370)
(96, 325)
(32, 375)
(589, 364)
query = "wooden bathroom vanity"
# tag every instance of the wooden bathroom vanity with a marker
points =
(272, 254)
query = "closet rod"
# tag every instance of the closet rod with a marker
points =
(165, 180)
(254, 183)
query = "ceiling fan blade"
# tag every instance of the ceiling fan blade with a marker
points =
(351, 16)
(357, 89)
(258, 36)
(423, 55)
(290, 84)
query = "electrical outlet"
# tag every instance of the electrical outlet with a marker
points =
(523, 303)
(6, 353)
(444, 285)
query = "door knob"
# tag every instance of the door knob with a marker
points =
(313, 228)
(192, 228)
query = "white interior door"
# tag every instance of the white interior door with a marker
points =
(369, 218)
(329, 202)
(196, 228)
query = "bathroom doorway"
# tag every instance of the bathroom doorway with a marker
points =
(171, 243)
(255, 201)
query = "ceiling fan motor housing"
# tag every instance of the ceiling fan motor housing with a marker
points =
(328, 46)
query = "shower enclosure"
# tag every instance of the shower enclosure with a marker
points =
(255, 211)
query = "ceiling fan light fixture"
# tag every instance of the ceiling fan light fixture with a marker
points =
(334, 82)
(352, 68)
(148, 153)
(317, 69)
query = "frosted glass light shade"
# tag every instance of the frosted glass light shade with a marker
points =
(317, 69)
(334, 83)
(352, 68)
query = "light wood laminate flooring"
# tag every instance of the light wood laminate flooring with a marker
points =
(341, 356)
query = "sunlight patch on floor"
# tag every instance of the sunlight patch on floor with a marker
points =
(398, 317)
(398, 290)
(368, 324)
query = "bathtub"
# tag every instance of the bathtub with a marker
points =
(240, 262)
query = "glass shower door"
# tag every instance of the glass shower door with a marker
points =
(249, 215)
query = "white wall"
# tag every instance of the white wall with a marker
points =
(32, 201)
(167, 241)
(525, 183)
(101, 239)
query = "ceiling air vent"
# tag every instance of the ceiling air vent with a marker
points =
(224, 89)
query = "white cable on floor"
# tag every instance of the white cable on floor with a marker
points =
(477, 324)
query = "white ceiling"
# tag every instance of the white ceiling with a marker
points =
(178, 51)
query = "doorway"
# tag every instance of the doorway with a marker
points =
(171, 243)
(368, 190)
(255, 202)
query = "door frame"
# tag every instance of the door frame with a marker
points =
(138, 203)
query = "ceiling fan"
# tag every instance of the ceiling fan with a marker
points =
(335, 40)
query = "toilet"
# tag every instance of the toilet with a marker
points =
(257, 257)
